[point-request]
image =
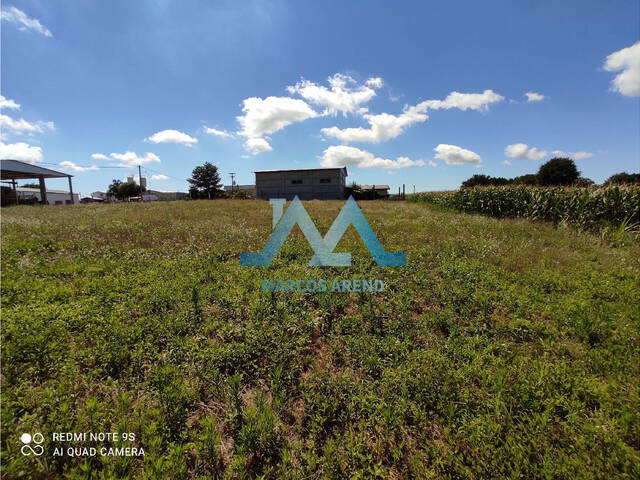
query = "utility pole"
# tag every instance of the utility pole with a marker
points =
(403, 191)
(140, 180)
(414, 189)
(233, 176)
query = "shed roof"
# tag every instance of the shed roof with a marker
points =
(378, 187)
(303, 170)
(15, 169)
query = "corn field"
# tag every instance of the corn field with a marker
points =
(585, 208)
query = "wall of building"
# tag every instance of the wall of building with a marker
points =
(306, 184)
(53, 197)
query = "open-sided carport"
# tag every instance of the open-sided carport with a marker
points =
(16, 170)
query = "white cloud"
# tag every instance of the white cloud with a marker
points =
(22, 126)
(218, 133)
(13, 15)
(160, 177)
(257, 145)
(99, 156)
(265, 116)
(432, 163)
(465, 101)
(626, 82)
(573, 155)
(454, 155)
(375, 82)
(534, 97)
(345, 156)
(20, 151)
(131, 159)
(522, 150)
(8, 103)
(76, 168)
(172, 136)
(506, 162)
(385, 126)
(339, 97)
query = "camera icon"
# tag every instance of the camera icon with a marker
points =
(27, 449)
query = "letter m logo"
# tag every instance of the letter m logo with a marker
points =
(322, 247)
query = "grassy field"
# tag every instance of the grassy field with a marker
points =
(505, 348)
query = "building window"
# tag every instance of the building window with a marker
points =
(325, 180)
(296, 182)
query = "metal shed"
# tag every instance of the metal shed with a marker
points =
(306, 183)
(16, 170)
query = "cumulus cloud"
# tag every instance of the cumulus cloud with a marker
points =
(574, 155)
(14, 15)
(99, 156)
(465, 101)
(340, 96)
(627, 62)
(76, 168)
(131, 159)
(172, 136)
(522, 150)
(345, 156)
(257, 145)
(8, 103)
(432, 163)
(22, 126)
(534, 97)
(160, 177)
(375, 82)
(265, 116)
(20, 151)
(454, 155)
(217, 133)
(506, 162)
(385, 126)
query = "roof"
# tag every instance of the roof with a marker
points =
(15, 169)
(37, 190)
(378, 187)
(240, 187)
(303, 170)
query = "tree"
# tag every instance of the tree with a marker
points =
(623, 178)
(31, 185)
(483, 181)
(558, 171)
(205, 181)
(528, 179)
(129, 189)
(113, 188)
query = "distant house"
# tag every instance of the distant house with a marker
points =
(54, 197)
(250, 190)
(99, 195)
(164, 196)
(381, 190)
(306, 183)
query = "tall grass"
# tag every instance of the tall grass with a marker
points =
(585, 208)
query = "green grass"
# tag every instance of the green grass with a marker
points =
(505, 348)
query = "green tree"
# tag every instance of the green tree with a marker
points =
(113, 188)
(484, 180)
(528, 179)
(31, 185)
(623, 178)
(558, 171)
(205, 182)
(129, 189)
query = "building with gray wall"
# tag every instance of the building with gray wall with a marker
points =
(306, 183)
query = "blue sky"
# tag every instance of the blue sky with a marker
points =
(420, 93)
